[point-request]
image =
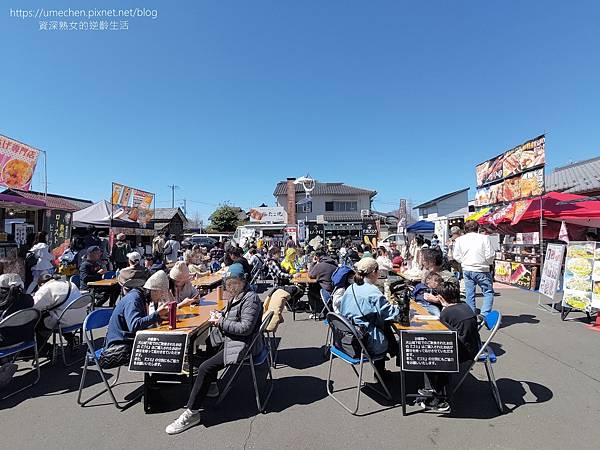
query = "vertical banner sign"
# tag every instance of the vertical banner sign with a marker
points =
(20, 233)
(58, 225)
(17, 163)
(126, 196)
(402, 216)
(552, 269)
(370, 232)
(117, 190)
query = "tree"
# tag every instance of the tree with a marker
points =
(224, 219)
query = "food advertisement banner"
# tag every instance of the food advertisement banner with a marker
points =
(582, 276)
(17, 163)
(275, 214)
(520, 159)
(133, 204)
(551, 270)
(520, 275)
(530, 184)
(503, 270)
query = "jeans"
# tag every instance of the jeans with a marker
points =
(484, 281)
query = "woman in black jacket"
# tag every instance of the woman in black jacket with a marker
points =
(232, 331)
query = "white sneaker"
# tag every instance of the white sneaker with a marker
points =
(213, 390)
(186, 420)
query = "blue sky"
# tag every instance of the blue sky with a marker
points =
(225, 98)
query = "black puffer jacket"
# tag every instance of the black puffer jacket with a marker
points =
(239, 324)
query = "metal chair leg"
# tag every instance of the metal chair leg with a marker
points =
(493, 386)
(261, 405)
(358, 387)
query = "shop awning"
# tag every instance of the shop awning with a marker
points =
(422, 226)
(556, 206)
(18, 200)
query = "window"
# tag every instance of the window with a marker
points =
(341, 206)
(305, 208)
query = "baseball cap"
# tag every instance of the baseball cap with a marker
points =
(134, 256)
(235, 270)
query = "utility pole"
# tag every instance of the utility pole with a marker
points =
(184, 206)
(173, 187)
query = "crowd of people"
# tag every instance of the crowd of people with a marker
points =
(350, 276)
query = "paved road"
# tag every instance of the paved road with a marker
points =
(548, 372)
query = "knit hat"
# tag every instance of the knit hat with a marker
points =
(134, 256)
(10, 279)
(235, 270)
(158, 282)
(366, 266)
(120, 237)
(180, 272)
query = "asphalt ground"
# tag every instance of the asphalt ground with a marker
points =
(548, 372)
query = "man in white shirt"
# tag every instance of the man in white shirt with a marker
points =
(475, 253)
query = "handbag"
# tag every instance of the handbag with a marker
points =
(347, 341)
(115, 356)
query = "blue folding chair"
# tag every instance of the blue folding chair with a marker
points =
(109, 275)
(264, 357)
(96, 320)
(339, 324)
(84, 301)
(25, 321)
(486, 356)
(76, 280)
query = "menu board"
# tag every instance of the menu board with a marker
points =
(520, 159)
(429, 351)
(158, 352)
(551, 270)
(582, 276)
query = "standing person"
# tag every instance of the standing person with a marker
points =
(435, 241)
(104, 245)
(158, 246)
(171, 249)
(455, 233)
(475, 253)
(41, 251)
(231, 333)
(119, 253)
(290, 243)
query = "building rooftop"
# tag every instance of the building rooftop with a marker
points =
(439, 199)
(52, 201)
(168, 213)
(576, 178)
(325, 189)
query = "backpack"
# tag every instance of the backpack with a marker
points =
(340, 275)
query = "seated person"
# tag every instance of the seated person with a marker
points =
(280, 276)
(134, 270)
(230, 335)
(180, 284)
(289, 261)
(52, 297)
(12, 295)
(459, 317)
(236, 255)
(425, 293)
(383, 261)
(397, 259)
(196, 261)
(364, 304)
(91, 270)
(322, 271)
(131, 313)
(340, 285)
(253, 258)
(433, 261)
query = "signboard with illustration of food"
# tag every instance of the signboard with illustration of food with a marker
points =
(580, 270)
(520, 276)
(551, 270)
(17, 163)
(502, 271)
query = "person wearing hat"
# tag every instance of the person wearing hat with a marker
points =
(131, 313)
(119, 252)
(180, 284)
(134, 271)
(364, 304)
(231, 333)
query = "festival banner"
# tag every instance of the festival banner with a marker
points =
(117, 190)
(17, 163)
(126, 196)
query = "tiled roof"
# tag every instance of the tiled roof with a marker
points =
(439, 199)
(168, 213)
(577, 178)
(325, 189)
(53, 201)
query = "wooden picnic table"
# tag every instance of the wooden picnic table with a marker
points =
(303, 278)
(103, 283)
(208, 281)
(417, 324)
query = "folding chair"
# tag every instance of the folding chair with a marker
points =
(274, 304)
(109, 275)
(486, 356)
(341, 324)
(76, 280)
(25, 320)
(249, 360)
(325, 297)
(85, 301)
(98, 319)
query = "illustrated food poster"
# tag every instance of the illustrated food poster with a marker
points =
(582, 276)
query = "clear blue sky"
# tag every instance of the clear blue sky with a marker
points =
(225, 98)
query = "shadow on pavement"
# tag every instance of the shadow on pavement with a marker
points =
(302, 358)
(507, 321)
